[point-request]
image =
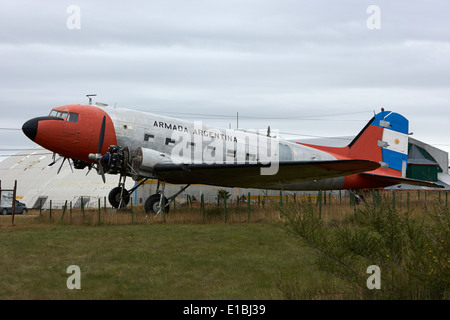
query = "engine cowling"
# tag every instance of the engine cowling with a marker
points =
(144, 160)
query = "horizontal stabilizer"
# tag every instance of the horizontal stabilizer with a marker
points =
(391, 180)
(249, 175)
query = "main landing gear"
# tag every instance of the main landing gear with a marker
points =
(156, 201)
(119, 197)
(358, 196)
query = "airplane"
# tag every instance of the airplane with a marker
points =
(146, 146)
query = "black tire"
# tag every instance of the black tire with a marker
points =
(152, 204)
(4, 212)
(114, 197)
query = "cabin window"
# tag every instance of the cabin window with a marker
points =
(170, 142)
(149, 137)
(73, 117)
(250, 157)
(59, 114)
(231, 153)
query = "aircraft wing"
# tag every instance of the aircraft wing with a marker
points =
(249, 175)
(391, 180)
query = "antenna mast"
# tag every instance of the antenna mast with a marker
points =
(90, 99)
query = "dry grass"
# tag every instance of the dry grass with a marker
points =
(178, 252)
(332, 208)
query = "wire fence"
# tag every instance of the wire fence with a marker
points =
(246, 208)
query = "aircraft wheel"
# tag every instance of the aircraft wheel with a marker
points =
(152, 204)
(114, 197)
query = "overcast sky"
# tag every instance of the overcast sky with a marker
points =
(315, 68)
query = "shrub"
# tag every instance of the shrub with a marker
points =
(412, 253)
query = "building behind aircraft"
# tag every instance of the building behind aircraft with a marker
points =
(38, 182)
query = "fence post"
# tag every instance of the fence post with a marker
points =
(99, 209)
(319, 200)
(248, 207)
(225, 208)
(14, 203)
(374, 201)
(393, 199)
(64, 210)
(50, 209)
(407, 201)
(82, 207)
(132, 212)
(202, 201)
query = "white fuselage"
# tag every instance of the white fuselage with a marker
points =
(181, 141)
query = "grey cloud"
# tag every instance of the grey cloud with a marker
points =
(270, 57)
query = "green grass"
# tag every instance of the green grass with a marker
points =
(131, 255)
(238, 261)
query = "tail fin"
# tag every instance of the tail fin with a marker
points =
(385, 140)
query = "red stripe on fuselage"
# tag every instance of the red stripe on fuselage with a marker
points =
(364, 148)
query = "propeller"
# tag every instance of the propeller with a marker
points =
(53, 160)
(97, 157)
(62, 165)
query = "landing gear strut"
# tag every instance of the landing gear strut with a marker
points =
(157, 201)
(154, 204)
(119, 197)
(358, 196)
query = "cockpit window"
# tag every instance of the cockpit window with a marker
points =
(73, 117)
(59, 114)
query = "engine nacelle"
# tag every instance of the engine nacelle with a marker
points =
(144, 160)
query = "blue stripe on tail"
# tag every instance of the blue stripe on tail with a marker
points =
(394, 122)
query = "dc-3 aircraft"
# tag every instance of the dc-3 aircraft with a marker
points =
(148, 146)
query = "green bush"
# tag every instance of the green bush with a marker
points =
(412, 253)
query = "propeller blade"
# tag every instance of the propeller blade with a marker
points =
(70, 165)
(101, 171)
(89, 169)
(102, 135)
(53, 160)
(61, 165)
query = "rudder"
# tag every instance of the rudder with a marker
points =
(385, 140)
